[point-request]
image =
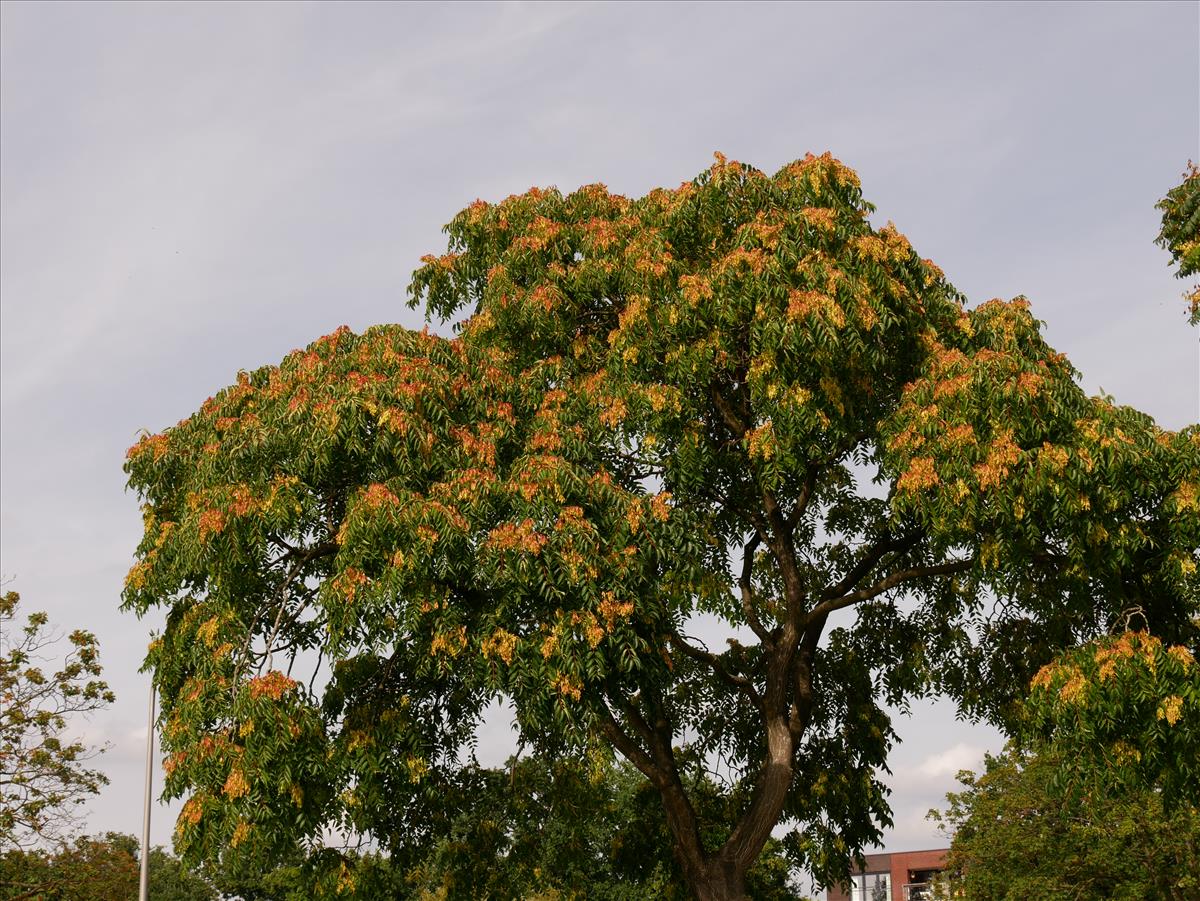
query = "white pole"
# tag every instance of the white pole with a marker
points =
(144, 882)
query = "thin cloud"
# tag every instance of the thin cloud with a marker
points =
(948, 762)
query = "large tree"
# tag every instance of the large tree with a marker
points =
(732, 408)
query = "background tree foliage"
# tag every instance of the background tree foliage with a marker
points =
(562, 829)
(1018, 837)
(735, 402)
(43, 774)
(550, 830)
(100, 868)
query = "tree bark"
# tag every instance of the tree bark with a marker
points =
(721, 881)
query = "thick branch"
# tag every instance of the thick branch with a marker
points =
(642, 727)
(729, 415)
(897, 578)
(865, 564)
(762, 531)
(659, 767)
(806, 490)
(803, 698)
(776, 530)
(746, 584)
(627, 746)
(770, 793)
(783, 734)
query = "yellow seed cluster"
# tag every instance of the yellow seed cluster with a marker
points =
(1171, 709)
(236, 785)
(501, 644)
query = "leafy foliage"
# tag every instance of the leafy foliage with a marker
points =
(566, 830)
(1016, 836)
(103, 868)
(362, 874)
(553, 830)
(1180, 232)
(1122, 711)
(739, 375)
(89, 869)
(1099, 798)
(44, 775)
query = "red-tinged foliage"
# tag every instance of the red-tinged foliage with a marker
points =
(1123, 713)
(654, 409)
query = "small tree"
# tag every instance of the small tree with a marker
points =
(86, 869)
(43, 775)
(735, 401)
(1099, 799)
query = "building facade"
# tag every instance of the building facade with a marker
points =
(905, 876)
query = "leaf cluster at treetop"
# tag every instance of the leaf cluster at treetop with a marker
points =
(735, 399)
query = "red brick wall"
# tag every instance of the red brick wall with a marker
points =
(907, 861)
(898, 866)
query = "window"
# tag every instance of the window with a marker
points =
(870, 887)
(921, 884)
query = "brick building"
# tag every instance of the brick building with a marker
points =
(905, 876)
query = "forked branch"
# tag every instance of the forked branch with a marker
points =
(714, 662)
(897, 578)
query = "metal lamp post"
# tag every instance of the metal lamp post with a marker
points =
(144, 881)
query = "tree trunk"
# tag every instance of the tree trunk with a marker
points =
(720, 881)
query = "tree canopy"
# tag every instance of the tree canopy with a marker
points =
(737, 402)
(99, 868)
(1018, 837)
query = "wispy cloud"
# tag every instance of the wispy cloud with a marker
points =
(940, 764)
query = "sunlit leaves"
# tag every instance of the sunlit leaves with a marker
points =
(366, 499)
(775, 288)
(1123, 711)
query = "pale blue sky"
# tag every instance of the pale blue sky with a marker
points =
(191, 189)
